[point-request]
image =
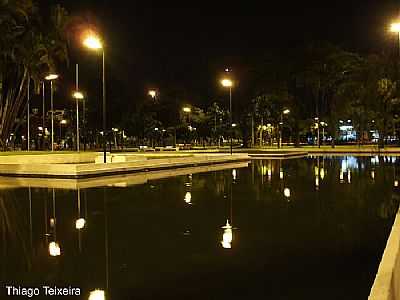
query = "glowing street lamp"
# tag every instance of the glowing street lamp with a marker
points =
(187, 109)
(80, 223)
(93, 42)
(152, 94)
(51, 78)
(284, 112)
(228, 83)
(77, 96)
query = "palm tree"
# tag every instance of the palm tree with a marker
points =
(27, 51)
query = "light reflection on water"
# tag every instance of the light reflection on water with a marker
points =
(315, 224)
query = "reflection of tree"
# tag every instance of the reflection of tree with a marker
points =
(13, 229)
(388, 209)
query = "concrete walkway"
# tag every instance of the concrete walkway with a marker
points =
(387, 281)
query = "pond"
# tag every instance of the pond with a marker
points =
(310, 228)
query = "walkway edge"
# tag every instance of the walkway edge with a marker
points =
(387, 281)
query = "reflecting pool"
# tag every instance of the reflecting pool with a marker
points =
(312, 228)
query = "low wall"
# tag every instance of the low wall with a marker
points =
(387, 281)
(53, 158)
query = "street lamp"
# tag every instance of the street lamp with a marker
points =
(228, 83)
(188, 111)
(323, 124)
(77, 96)
(62, 122)
(152, 94)
(51, 78)
(317, 127)
(93, 42)
(284, 112)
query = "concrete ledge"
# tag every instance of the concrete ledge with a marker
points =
(387, 281)
(76, 171)
(53, 158)
(114, 181)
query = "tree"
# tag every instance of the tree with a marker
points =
(28, 49)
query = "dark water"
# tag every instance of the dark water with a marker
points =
(162, 239)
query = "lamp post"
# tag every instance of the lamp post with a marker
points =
(77, 96)
(62, 122)
(94, 43)
(317, 126)
(228, 83)
(284, 112)
(323, 124)
(28, 116)
(188, 111)
(51, 78)
(43, 113)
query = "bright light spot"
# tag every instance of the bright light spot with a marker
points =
(63, 122)
(316, 171)
(78, 95)
(51, 77)
(92, 42)
(264, 127)
(286, 192)
(234, 174)
(396, 183)
(322, 173)
(226, 82)
(341, 176)
(152, 93)
(348, 176)
(281, 175)
(52, 222)
(234, 124)
(187, 109)
(54, 249)
(373, 174)
(317, 181)
(395, 27)
(97, 295)
(188, 197)
(269, 173)
(264, 170)
(80, 223)
(227, 236)
(40, 128)
(286, 111)
(156, 129)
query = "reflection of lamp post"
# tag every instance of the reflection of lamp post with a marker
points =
(227, 236)
(97, 295)
(51, 78)
(94, 43)
(228, 83)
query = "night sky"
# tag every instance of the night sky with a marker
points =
(185, 46)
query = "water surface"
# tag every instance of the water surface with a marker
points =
(311, 228)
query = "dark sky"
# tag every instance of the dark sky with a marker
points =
(187, 44)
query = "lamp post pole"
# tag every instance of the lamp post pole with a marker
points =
(52, 115)
(43, 116)
(104, 107)
(77, 108)
(230, 114)
(28, 116)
